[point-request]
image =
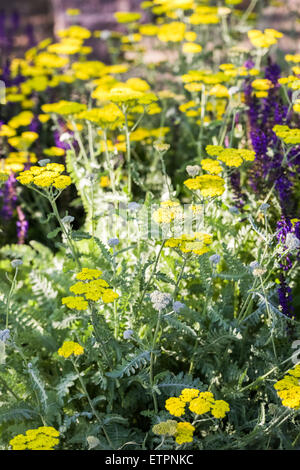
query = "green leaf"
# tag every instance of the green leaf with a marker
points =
(80, 236)
(54, 233)
(130, 364)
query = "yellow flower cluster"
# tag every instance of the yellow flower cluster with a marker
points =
(198, 402)
(208, 185)
(54, 152)
(232, 71)
(261, 87)
(92, 287)
(293, 58)
(22, 119)
(169, 211)
(46, 177)
(16, 160)
(205, 76)
(183, 432)
(64, 107)
(212, 166)
(288, 389)
(296, 106)
(264, 39)
(127, 17)
(42, 438)
(69, 348)
(230, 156)
(191, 48)
(24, 141)
(219, 91)
(197, 243)
(205, 15)
(165, 428)
(123, 94)
(108, 116)
(288, 135)
(171, 32)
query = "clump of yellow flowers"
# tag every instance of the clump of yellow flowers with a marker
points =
(230, 156)
(42, 438)
(288, 135)
(288, 389)
(45, 176)
(264, 39)
(92, 287)
(261, 87)
(69, 348)
(208, 185)
(168, 212)
(198, 403)
(197, 243)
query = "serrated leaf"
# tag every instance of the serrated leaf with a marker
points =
(80, 236)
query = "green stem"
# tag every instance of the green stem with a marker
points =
(103, 350)
(207, 297)
(95, 412)
(152, 360)
(179, 278)
(71, 246)
(152, 274)
(128, 154)
(9, 296)
(9, 389)
(108, 162)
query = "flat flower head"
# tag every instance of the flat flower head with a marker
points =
(88, 274)
(42, 438)
(199, 406)
(109, 296)
(127, 17)
(208, 185)
(165, 428)
(175, 406)
(62, 182)
(78, 303)
(220, 408)
(187, 394)
(69, 348)
(184, 433)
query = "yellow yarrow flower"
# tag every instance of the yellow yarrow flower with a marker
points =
(212, 166)
(184, 433)
(78, 303)
(69, 348)
(220, 408)
(104, 181)
(169, 211)
(171, 32)
(208, 185)
(219, 91)
(191, 48)
(127, 17)
(42, 438)
(187, 394)
(175, 406)
(288, 389)
(88, 274)
(165, 428)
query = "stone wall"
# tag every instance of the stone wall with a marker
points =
(25, 22)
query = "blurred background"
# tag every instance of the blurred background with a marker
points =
(24, 23)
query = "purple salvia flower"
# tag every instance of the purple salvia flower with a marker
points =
(22, 226)
(9, 197)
